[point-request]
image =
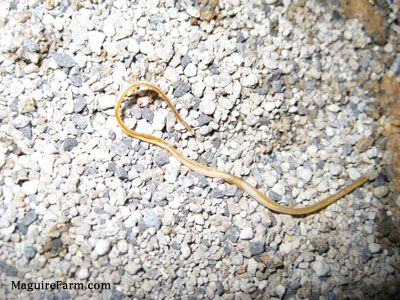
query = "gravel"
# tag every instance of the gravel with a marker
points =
(278, 92)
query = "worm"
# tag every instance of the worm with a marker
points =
(215, 173)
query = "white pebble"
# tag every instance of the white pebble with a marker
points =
(190, 70)
(249, 81)
(333, 108)
(146, 47)
(133, 46)
(312, 149)
(83, 274)
(96, 40)
(335, 169)
(323, 186)
(353, 173)
(30, 187)
(198, 219)
(304, 173)
(159, 120)
(374, 248)
(246, 233)
(198, 89)
(320, 267)
(144, 127)
(270, 63)
(132, 268)
(102, 247)
(207, 107)
(185, 251)
(109, 28)
(269, 106)
(252, 266)
(21, 121)
(106, 102)
(122, 246)
(171, 74)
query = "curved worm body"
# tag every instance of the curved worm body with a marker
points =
(215, 173)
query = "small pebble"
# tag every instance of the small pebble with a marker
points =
(304, 173)
(320, 267)
(64, 60)
(374, 248)
(102, 247)
(83, 274)
(70, 143)
(246, 233)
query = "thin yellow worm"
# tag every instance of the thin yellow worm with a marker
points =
(210, 172)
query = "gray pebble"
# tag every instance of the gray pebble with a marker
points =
(148, 114)
(76, 80)
(29, 252)
(201, 180)
(79, 121)
(29, 217)
(110, 167)
(364, 61)
(233, 233)
(379, 181)
(14, 105)
(230, 190)
(366, 255)
(120, 148)
(274, 196)
(310, 85)
(161, 159)
(203, 119)
(277, 86)
(27, 131)
(185, 60)
(256, 248)
(90, 171)
(22, 228)
(395, 67)
(10, 271)
(347, 148)
(237, 260)
(387, 172)
(64, 60)
(121, 172)
(79, 104)
(70, 143)
(180, 89)
(220, 288)
(302, 110)
(151, 220)
(136, 112)
(30, 45)
(217, 193)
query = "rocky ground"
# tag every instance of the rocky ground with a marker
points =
(297, 97)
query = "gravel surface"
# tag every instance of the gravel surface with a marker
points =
(276, 93)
